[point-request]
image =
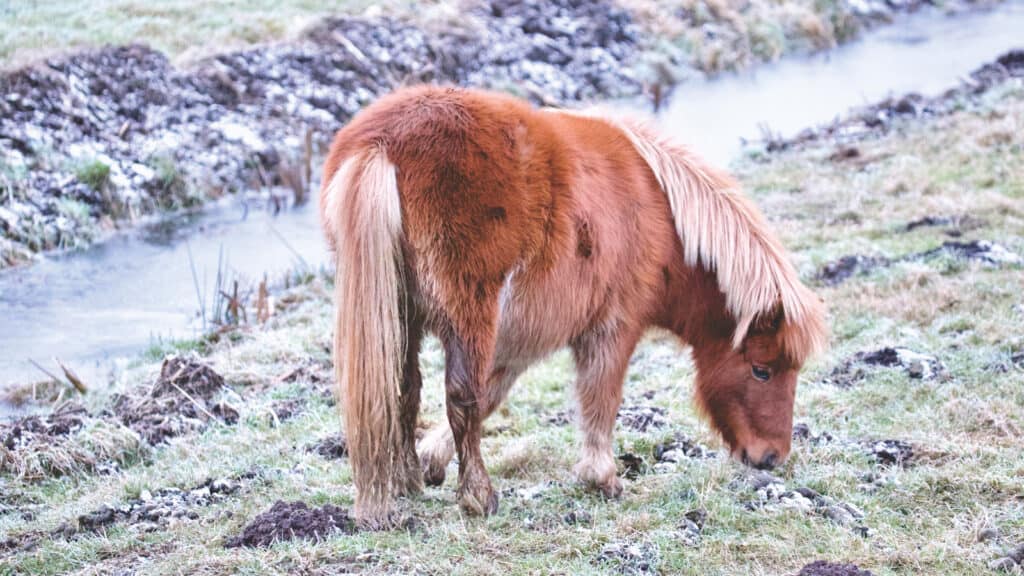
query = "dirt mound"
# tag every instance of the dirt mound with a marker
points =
(856, 368)
(63, 421)
(291, 520)
(824, 568)
(332, 447)
(180, 401)
(67, 441)
(631, 557)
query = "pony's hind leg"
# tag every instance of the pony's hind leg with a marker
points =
(438, 447)
(410, 481)
(601, 361)
(466, 365)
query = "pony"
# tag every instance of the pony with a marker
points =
(511, 232)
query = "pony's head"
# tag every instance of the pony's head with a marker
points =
(747, 391)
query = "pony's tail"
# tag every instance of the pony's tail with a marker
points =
(362, 214)
(723, 231)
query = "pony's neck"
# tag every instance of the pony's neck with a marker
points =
(695, 308)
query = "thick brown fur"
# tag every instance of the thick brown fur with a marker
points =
(522, 231)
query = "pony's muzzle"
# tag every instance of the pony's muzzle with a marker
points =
(767, 461)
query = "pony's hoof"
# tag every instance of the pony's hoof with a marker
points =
(612, 489)
(479, 504)
(378, 522)
(433, 475)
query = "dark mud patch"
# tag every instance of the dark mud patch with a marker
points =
(855, 265)
(882, 116)
(630, 557)
(768, 492)
(890, 452)
(955, 226)
(334, 447)
(984, 251)
(159, 509)
(63, 421)
(179, 402)
(802, 432)
(825, 568)
(677, 449)
(846, 267)
(858, 367)
(67, 441)
(290, 521)
(641, 418)
(561, 418)
(284, 410)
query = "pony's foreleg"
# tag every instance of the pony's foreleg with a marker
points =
(601, 362)
(410, 481)
(438, 447)
(466, 363)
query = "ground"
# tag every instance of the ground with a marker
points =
(908, 457)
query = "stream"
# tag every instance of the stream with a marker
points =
(96, 309)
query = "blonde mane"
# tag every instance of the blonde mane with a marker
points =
(723, 231)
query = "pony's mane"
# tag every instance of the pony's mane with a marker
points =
(723, 231)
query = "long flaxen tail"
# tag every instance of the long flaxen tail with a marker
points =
(362, 214)
(724, 231)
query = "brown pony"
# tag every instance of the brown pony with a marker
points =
(510, 232)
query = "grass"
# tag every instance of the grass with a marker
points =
(924, 518)
(184, 29)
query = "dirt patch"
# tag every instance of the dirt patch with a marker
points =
(825, 568)
(284, 410)
(846, 267)
(881, 117)
(333, 447)
(857, 368)
(890, 452)
(770, 493)
(159, 509)
(631, 557)
(293, 520)
(640, 418)
(67, 441)
(180, 401)
(955, 225)
(983, 251)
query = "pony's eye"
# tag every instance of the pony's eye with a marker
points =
(762, 373)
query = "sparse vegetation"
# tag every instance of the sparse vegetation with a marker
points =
(941, 496)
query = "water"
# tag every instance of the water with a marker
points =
(97, 307)
(106, 303)
(927, 52)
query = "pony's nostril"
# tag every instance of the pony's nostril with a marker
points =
(744, 458)
(769, 461)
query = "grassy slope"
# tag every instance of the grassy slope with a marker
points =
(924, 518)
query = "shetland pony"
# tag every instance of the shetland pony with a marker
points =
(510, 232)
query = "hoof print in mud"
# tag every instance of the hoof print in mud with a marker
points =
(290, 521)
